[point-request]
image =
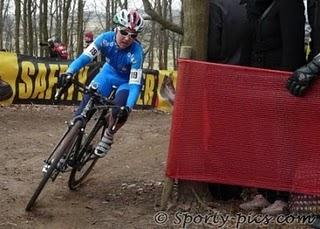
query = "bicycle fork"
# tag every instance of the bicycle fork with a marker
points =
(68, 156)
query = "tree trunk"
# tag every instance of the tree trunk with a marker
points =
(35, 29)
(108, 16)
(65, 17)
(1, 22)
(80, 28)
(17, 25)
(71, 36)
(195, 27)
(51, 13)
(165, 35)
(25, 28)
(160, 37)
(41, 23)
(58, 18)
(43, 33)
(151, 46)
(30, 27)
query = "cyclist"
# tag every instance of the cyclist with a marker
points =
(57, 49)
(123, 68)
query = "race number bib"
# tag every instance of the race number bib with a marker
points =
(92, 51)
(135, 76)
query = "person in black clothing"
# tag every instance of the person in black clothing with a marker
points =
(276, 39)
(227, 31)
(298, 84)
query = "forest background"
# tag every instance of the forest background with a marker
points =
(24, 24)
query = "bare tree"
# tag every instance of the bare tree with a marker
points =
(108, 15)
(166, 22)
(195, 24)
(43, 33)
(36, 21)
(72, 42)
(150, 50)
(195, 30)
(1, 22)
(25, 27)
(65, 17)
(52, 11)
(58, 16)
(158, 6)
(35, 28)
(17, 25)
(80, 27)
(173, 38)
(165, 35)
(4, 5)
(158, 18)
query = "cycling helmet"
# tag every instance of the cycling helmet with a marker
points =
(54, 40)
(129, 19)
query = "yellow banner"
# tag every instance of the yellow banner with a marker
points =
(8, 74)
(26, 79)
(166, 90)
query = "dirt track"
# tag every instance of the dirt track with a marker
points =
(123, 191)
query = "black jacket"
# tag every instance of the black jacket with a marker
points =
(227, 29)
(276, 40)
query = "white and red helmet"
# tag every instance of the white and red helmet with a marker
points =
(129, 19)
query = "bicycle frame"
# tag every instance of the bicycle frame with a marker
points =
(73, 150)
(72, 158)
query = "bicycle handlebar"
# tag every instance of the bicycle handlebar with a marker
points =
(91, 90)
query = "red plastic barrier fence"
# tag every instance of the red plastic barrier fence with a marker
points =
(240, 126)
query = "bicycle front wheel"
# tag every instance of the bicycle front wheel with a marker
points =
(85, 160)
(67, 144)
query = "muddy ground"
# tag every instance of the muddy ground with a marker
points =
(123, 191)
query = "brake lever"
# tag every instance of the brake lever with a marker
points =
(61, 90)
(58, 94)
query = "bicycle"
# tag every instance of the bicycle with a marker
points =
(75, 150)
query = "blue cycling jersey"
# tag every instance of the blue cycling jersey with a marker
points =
(123, 66)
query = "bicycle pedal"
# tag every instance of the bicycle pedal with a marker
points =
(62, 165)
(45, 168)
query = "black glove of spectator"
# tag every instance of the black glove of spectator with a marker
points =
(303, 77)
(64, 80)
(124, 113)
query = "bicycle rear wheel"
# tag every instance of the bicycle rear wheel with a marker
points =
(67, 144)
(86, 160)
